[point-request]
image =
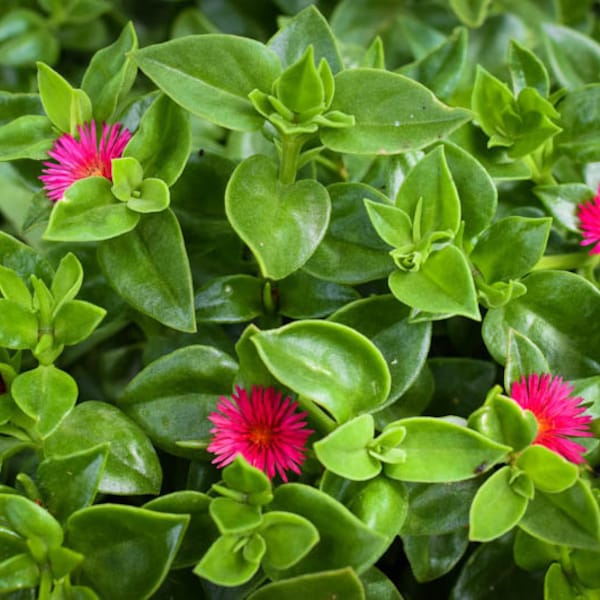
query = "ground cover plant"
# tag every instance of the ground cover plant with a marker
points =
(299, 299)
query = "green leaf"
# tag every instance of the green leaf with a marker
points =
(430, 184)
(172, 397)
(127, 177)
(128, 550)
(550, 315)
(416, 120)
(89, 212)
(234, 518)
(47, 395)
(574, 57)
(18, 326)
(30, 136)
(252, 482)
(65, 106)
(70, 482)
(29, 521)
(229, 299)
(523, 358)
(471, 12)
(549, 471)
(343, 539)
(441, 69)
(511, 247)
(531, 553)
(228, 562)
(111, 74)
(331, 364)
(17, 573)
(403, 344)
(150, 270)
(63, 561)
(201, 531)
(443, 285)
(23, 259)
(568, 518)
(476, 189)
(585, 563)
(496, 508)
(392, 224)
(440, 451)
(561, 202)
(340, 583)
(345, 450)
(439, 508)
(307, 28)
(351, 251)
(216, 87)
(164, 120)
(580, 138)
(493, 103)
(557, 585)
(75, 321)
(153, 197)
(527, 70)
(282, 224)
(132, 466)
(67, 280)
(13, 288)
(288, 537)
(380, 503)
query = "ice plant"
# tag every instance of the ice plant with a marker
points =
(83, 157)
(267, 431)
(559, 415)
(589, 223)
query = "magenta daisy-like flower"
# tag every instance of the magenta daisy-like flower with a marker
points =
(559, 415)
(85, 156)
(267, 431)
(589, 223)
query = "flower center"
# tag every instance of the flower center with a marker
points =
(261, 435)
(92, 169)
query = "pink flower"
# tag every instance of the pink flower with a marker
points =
(266, 430)
(558, 414)
(589, 223)
(84, 157)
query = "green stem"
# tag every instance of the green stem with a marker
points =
(290, 153)
(573, 260)
(45, 584)
(538, 174)
(316, 416)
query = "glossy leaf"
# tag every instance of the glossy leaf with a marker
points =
(343, 539)
(570, 517)
(89, 212)
(403, 344)
(75, 321)
(351, 251)
(341, 583)
(306, 28)
(527, 70)
(345, 450)
(438, 450)
(111, 74)
(172, 397)
(215, 88)
(163, 120)
(471, 12)
(23, 259)
(496, 508)
(549, 471)
(523, 358)
(574, 57)
(132, 466)
(417, 118)
(70, 482)
(432, 556)
(201, 531)
(282, 224)
(511, 247)
(17, 573)
(550, 316)
(149, 268)
(29, 136)
(443, 285)
(333, 365)
(47, 395)
(562, 200)
(128, 550)
(18, 326)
